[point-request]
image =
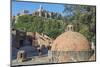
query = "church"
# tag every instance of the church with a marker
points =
(41, 12)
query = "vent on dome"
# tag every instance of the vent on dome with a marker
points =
(69, 28)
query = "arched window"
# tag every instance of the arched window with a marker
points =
(70, 28)
(21, 55)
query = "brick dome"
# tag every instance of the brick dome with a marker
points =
(71, 46)
(71, 41)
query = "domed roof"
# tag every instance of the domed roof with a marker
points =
(71, 41)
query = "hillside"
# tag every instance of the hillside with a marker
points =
(50, 27)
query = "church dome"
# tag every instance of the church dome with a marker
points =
(71, 41)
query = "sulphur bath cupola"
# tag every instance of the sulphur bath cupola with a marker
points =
(71, 46)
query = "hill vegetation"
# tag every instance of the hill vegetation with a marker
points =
(82, 17)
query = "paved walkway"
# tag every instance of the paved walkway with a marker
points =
(33, 60)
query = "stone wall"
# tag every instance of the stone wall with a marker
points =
(70, 56)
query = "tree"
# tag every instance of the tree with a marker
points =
(83, 18)
(50, 27)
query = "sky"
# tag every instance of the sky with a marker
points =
(17, 7)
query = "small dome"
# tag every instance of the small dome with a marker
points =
(71, 41)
